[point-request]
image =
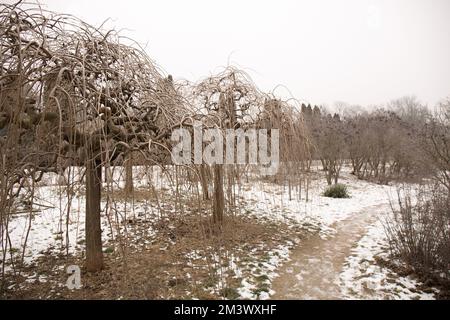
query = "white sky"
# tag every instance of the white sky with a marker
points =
(359, 51)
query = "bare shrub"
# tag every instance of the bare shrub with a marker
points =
(435, 146)
(419, 230)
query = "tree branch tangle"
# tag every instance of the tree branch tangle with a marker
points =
(72, 94)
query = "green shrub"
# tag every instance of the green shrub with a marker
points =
(108, 250)
(229, 293)
(337, 191)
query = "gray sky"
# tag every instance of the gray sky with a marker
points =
(359, 51)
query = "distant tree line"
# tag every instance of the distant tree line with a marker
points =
(403, 140)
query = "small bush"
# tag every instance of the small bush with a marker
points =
(229, 293)
(337, 191)
(108, 250)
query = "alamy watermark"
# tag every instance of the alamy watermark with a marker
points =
(230, 146)
(74, 280)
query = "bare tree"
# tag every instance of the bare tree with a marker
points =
(435, 144)
(329, 139)
(409, 109)
(228, 100)
(72, 95)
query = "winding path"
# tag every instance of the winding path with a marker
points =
(314, 268)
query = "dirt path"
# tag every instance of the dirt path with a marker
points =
(313, 272)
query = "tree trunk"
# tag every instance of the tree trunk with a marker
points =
(204, 182)
(129, 188)
(324, 165)
(329, 179)
(94, 254)
(219, 201)
(328, 171)
(290, 188)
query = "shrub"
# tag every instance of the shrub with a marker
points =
(337, 191)
(229, 293)
(419, 230)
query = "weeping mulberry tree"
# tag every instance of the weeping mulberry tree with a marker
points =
(227, 100)
(74, 95)
(295, 144)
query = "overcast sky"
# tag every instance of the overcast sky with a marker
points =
(359, 51)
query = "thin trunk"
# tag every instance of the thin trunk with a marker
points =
(129, 187)
(329, 174)
(94, 254)
(204, 182)
(290, 188)
(324, 165)
(219, 201)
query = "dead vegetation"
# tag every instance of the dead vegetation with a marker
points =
(78, 102)
(177, 261)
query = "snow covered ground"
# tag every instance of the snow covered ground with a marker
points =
(272, 201)
(360, 279)
(363, 278)
(59, 226)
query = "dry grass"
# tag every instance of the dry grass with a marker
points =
(158, 268)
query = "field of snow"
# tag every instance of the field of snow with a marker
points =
(272, 202)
